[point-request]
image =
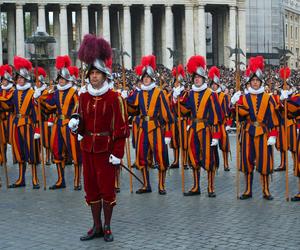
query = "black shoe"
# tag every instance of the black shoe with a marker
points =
(77, 188)
(118, 190)
(268, 197)
(92, 234)
(143, 191)
(245, 196)
(191, 193)
(186, 167)
(108, 236)
(295, 198)
(227, 169)
(37, 186)
(279, 169)
(174, 165)
(162, 192)
(48, 163)
(212, 195)
(57, 187)
(16, 185)
(134, 166)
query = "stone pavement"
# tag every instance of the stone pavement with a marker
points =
(38, 219)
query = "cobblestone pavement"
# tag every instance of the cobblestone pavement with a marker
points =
(38, 219)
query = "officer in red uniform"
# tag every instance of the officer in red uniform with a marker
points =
(102, 122)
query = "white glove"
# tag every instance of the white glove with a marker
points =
(271, 141)
(124, 94)
(36, 136)
(114, 160)
(227, 128)
(236, 97)
(37, 93)
(79, 137)
(176, 92)
(50, 124)
(73, 124)
(82, 90)
(188, 127)
(167, 140)
(214, 142)
(284, 95)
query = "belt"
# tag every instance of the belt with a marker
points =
(197, 120)
(257, 124)
(21, 116)
(63, 117)
(147, 118)
(98, 134)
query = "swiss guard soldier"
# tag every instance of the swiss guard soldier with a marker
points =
(63, 142)
(206, 117)
(179, 76)
(6, 118)
(25, 148)
(102, 122)
(155, 114)
(259, 132)
(224, 100)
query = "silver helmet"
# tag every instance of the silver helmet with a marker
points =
(99, 65)
(148, 70)
(201, 72)
(65, 74)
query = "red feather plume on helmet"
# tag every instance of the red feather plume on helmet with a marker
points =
(213, 71)
(178, 70)
(40, 71)
(256, 63)
(149, 61)
(74, 71)
(284, 73)
(20, 62)
(109, 63)
(139, 69)
(194, 63)
(62, 62)
(5, 68)
(247, 72)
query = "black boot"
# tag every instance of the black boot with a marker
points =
(96, 231)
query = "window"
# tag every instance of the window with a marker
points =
(291, 31)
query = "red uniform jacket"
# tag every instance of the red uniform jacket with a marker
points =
(103, 123)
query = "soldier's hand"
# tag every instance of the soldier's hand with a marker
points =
(214, 142)
(114, 160)
(236, 97)
(73, 124)
(284, 95)
(271, 141)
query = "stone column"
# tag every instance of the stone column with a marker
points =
(64, 48)
(106, 22)
(127, 36)
(11, 36)
(33, 20)
(20, 49)
(42, 17)
(148, 36)
(99, 23)
(78, 33)
(201, 31)
(168, 62)
(56, 31)
(226, 38)
(1, 49)
(189, 32)
(242, 33)
(84, 20)
(232, 33)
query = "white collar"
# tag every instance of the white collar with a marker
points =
(42, 88)
(98, 92)
(67, 86)
(137, 89)
(149, 87)
(198, 89)
(256, 92)
(246, 91)
(8, 86)
(218, 90)
(111, 85)
(24, 87)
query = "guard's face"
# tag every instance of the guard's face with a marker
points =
(62, 82)
(97, 78)
(147, 80)
(198, 80)
(214, 86)
(20, 80)
(4, 82)
(255, 83)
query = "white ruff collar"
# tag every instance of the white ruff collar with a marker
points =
(246, 91)
(98, 92)
(198, 89)
(217, 91)
(149, 87)
(24, 87)
(111, 85)
(8, 86)
(42, 88)
(256, 92)
(67, 86)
